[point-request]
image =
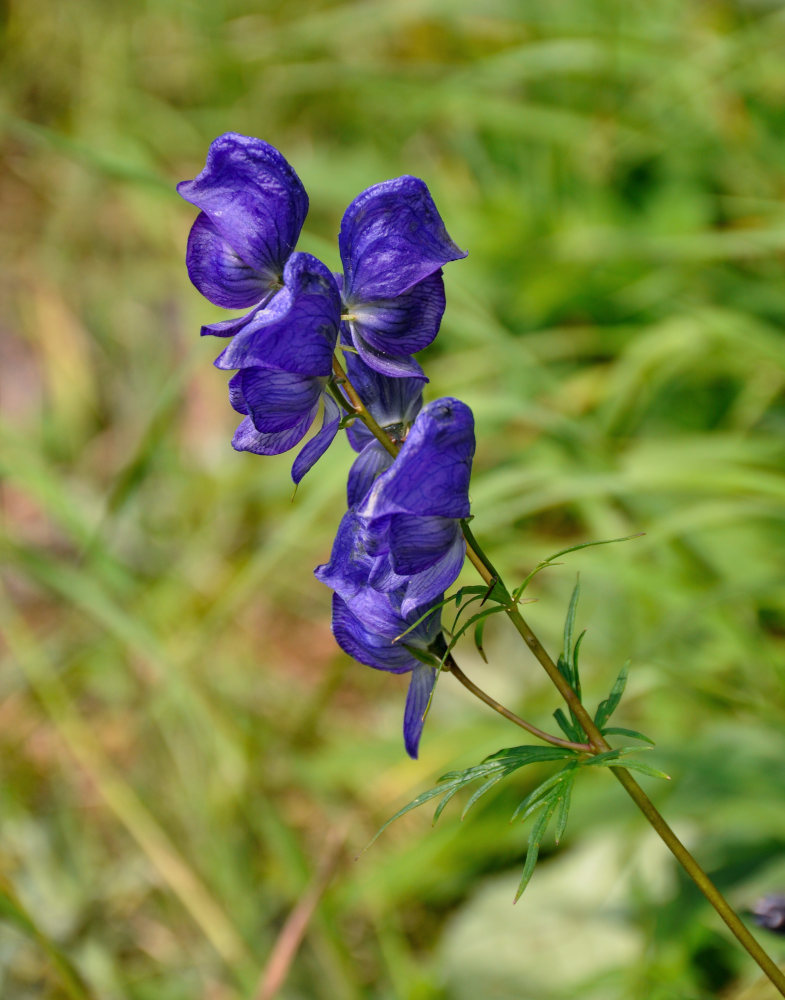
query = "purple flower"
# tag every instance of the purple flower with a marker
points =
(412, 512)
(393, 403)
(393, 245)
(371, 641)
(406, 535)
(769, 912)
(366, 622)
(253, 206)
(284, 356)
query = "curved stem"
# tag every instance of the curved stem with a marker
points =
(637, 794)
(556, 741)
(597, 743)
(362, 410)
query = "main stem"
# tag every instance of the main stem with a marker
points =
(597, 742)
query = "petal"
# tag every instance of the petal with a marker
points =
(217, 271)
(417, 697)
(384, 578)
(390, 400)
(425, 587)
(247, 438)
(229, 327)
(236, 396)
(320, 442)
(388, 364)
(403, 325)
(370, 463)
(392, 236)
(366, 646)
(349, 565)
(431, 473)
(359, 436)
(298, 330)
(254, 199)
(274, 400)
(416, 543)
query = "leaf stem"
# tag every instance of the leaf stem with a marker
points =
(597, 743)
(631, 786)
(557, 741)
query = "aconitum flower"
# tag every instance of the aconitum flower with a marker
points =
(284, 356)
(393, 245)
(412, 513)
(393, 403)
(253, 206)
(406, 535)
(382, 646)
(369, 624)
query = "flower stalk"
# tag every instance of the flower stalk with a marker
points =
(405, 534)
(596, 741)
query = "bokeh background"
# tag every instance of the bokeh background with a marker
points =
(185, 755)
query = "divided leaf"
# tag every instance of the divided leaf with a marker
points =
(492, 769)
(611, 703)
(563, 552)
(535, 839)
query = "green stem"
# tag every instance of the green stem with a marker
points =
(634, 790)
(556, 741)
(362, 410)
(597, 742)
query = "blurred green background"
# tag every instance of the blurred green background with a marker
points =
(183, 749)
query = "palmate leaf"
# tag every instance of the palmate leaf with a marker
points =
(564, 800)
(477, 591)
(479, 629)
(475, 619)
(634, 765)
(563, 552)
(613, 758)
(632, 733)
(611, 703)
(535, 798)
(569, 623)
(492, 769)
(570, 730)
(568, 668)
(550, 804)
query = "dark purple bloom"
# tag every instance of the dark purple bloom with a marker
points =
(253, 206)
(284, 356)
(413, 510)
(393, 245)
(394, 403)
(406, 535)
(382, 646)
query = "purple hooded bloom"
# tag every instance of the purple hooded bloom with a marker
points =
(284, 356)
(394, 403)
(253, 206)
(368, 624)
(412, 512)
(405, 535)
(393, 245)
(373, 642)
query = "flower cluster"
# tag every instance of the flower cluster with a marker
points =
(400, 544)
(400, 548)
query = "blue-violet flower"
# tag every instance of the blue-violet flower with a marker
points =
(406, 535)
(253, 206)
(393, 403)
(393, 245)
(375, 646)
(284, 356)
